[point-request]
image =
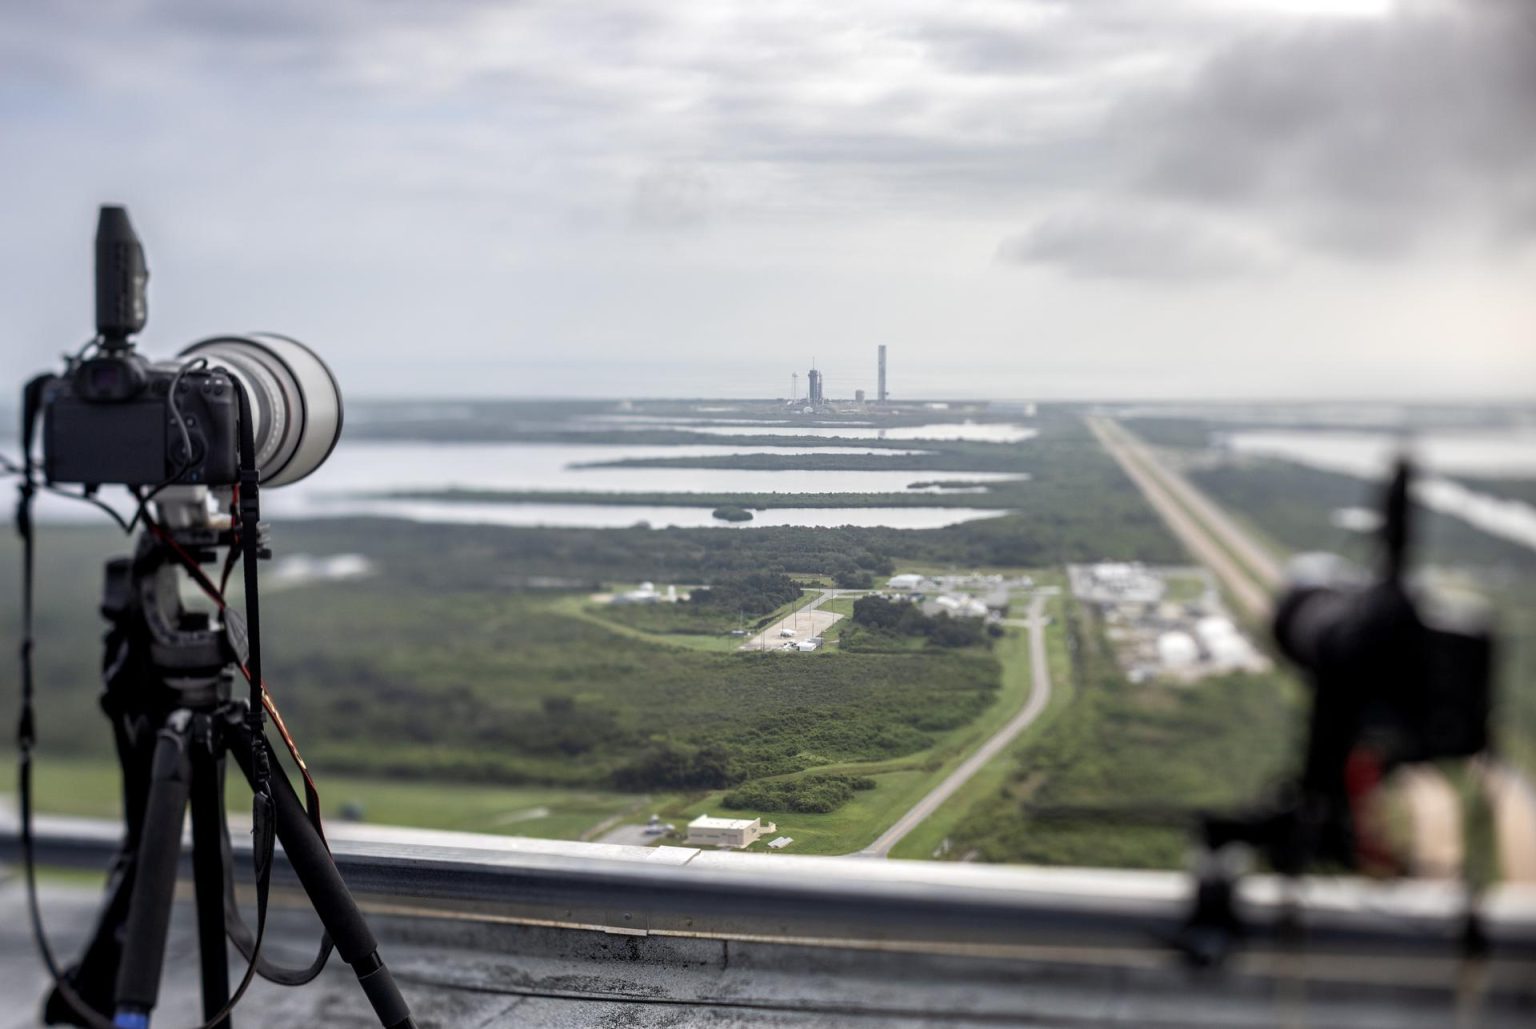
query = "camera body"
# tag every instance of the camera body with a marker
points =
(118, 418)
(1405, 673)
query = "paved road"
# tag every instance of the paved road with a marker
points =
(1039, 697)
(1141, 467)
(1266, 569)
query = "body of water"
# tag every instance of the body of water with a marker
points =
(979, 432)
(1369, 455)
(1507, 453)
(349, 481)
(618, 516)
(373, 467)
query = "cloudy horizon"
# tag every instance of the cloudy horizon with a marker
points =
(1032, 199)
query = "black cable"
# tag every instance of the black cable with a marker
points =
(186, 443)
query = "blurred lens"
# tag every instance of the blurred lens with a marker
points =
(295, 402)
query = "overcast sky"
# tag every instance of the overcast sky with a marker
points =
(1022, 198)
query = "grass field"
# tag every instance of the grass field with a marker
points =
(900, 783)
(89, 787)
(1139, 758)
(678, 624)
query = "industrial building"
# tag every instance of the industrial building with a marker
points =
(705, 831)
(646, 594)
(1158, 637)
(816, 398)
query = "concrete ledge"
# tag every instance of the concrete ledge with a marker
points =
(683, 891)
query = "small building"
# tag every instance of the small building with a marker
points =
(905, 582)
(705, 831)
(1177, 650)
(779, 843)
(806, 646)
(956, 605)
(646, 594)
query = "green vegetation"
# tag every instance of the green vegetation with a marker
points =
(899, 782)
(934, 837)
(396, 676)
(933, 456)
(731, 513)
(883, 622)
(755, 593)
(475, 655)
(818, 792)
(1116, 780)
(89, 787)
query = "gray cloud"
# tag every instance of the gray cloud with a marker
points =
(1368, 139)
(472, 173)
(1133, 244)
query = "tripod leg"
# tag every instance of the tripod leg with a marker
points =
(210, 860)
(154, 883)
(327, 891)
(93, 977)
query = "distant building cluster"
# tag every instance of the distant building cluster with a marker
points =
(300, 569)
(959, 596)
(816, 391)
(646, 593)
(1158, 635)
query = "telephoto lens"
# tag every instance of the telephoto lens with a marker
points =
(294, 399)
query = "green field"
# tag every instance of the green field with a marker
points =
(89, 787)
(900, 783)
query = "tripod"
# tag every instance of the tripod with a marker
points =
(168, 673)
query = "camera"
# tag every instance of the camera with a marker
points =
(118, 418)
(1405, 673)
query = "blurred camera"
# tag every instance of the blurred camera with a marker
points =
(1406, 672)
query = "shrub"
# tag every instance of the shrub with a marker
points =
(816, 793)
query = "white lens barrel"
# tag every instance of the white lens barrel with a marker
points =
(295, 402)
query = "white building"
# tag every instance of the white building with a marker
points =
(646, 594)
(705, 831)
(905, 582)
(1225, 646)
(1177, 650)
(956, 605)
